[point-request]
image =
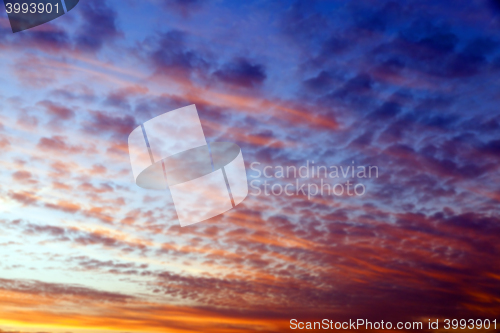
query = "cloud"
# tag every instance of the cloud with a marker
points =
(241, 72)
(64, 206)
(120, 98)
(321, 83)
(173, 57)
(410, 88)
(48, 38)
(88, 187)
(24, 197)
(3, 331)
(184, 7)
(58, 143)
(99, 25)
(75, 235)
(43, 289)
(59, 112)
(124, 268)
(44, 299)
(103, 124)
(24, 177)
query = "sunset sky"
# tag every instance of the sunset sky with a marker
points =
(411, 87)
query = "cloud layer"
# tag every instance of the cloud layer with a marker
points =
(409, 87)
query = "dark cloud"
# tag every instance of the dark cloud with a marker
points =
(4, 331)
(492, 148)
(334, 46)
(173, 57)
(24, 197)
(440, 121)
(104, 123)
(410, 88)
(386, 111)
(357, 90)
(60, 291)
(21, 175)
(88, 187)
(69, 234)
(114, 267)
(432, 40)
(48, 38)
(63, 206)
(479, 48)
(322, 83)
(58, 144)
(241, 72)
(372, 18)
(495, 5)
(59, 112)
(184, 7)
(434, 49)
(99, 25)
(74, 92)
(120, 98)
(303, 23)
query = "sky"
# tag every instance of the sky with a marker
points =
(410, 87)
